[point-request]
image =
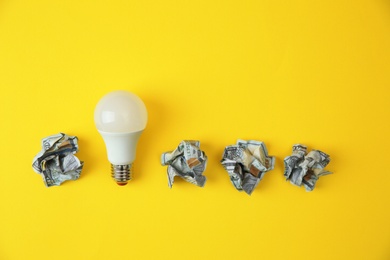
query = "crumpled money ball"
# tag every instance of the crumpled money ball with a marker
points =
(186, 161)
(56, 162)
(305, 169)
(246, 163)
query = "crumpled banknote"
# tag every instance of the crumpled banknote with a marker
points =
(246, 163)
(186, 161)
(56, 162)
(305, 169)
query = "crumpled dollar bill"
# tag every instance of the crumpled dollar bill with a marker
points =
(186, 161)
(305, 169)
(246, 163)
(56, 162)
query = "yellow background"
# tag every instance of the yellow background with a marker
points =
(278, 71)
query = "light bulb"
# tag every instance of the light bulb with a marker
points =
(120, 118)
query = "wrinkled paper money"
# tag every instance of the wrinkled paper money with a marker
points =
(56, 162)
(305, 169)
(246, 163)
(186, 161)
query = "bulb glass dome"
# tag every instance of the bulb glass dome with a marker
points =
(120, 112)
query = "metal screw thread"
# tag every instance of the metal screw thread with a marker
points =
(122, 173)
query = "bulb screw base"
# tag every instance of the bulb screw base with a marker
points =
(122, 173)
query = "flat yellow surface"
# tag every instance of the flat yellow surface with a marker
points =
(311, 72)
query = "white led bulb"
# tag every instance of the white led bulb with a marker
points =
(120, 118)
